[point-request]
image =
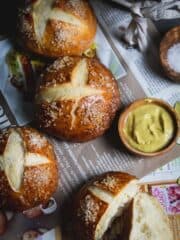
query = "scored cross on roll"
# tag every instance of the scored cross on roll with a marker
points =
(28, 169)
(56, 28)
(77, 99)
(100, 202)
(111, 206)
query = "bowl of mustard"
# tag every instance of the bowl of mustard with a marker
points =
(149, 127)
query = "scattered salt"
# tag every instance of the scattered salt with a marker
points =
(89, 209)
(173, 57)
(37, 140)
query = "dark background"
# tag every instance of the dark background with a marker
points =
(8, 12)
(8, 15)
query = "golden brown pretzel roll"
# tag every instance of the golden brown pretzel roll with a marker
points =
(100, 202)
(56, 28)
(77, 99)
(28, 169)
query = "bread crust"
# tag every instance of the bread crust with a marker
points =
(88, 209)
(59, 37)
(39, 181)
(77, 118)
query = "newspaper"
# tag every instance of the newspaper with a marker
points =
(162, 184)
(167, 173)
(138, 75)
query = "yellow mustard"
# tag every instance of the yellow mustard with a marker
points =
(149, 128)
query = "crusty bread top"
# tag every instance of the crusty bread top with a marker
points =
(28, 168)
(21, 148)
(77, 98)
(67, 79)
(57, 27)
(113, 182)
(100, 201)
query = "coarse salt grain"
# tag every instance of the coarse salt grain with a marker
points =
(173, 57)
(37, 140)
(89, 209)
(110, 182)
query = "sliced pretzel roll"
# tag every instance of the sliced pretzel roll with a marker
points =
(77, 99)
(147, 220)
(100, 202)
(56, 28)
(28, 169)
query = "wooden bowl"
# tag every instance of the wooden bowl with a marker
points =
(172, 37)
(124, 116)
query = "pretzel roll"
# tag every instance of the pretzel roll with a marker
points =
(28, 169)
(54, 28)
(100, 202)
(77, 99)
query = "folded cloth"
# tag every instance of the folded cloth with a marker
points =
(136, 33)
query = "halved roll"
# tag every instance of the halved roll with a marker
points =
(100, 202)
(148, 222)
